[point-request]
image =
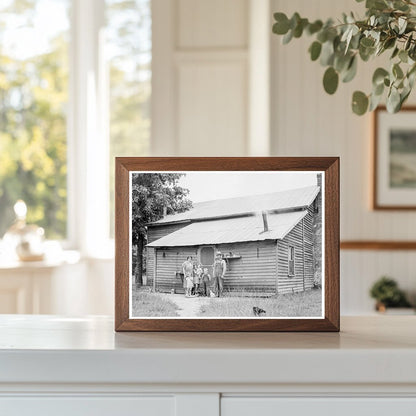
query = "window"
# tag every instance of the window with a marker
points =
(291, 261)
(34, 71)
(75, 87)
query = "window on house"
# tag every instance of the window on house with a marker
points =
(291, 261)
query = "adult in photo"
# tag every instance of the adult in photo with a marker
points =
(220, 267)
(187, 269)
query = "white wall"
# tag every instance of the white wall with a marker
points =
(202, 81)
(308, 122)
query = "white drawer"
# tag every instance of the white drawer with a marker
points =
(274, 406)
(87, 406)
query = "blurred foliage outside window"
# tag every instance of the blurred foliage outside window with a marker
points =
(33, 100)
(129, 46)
(34, 73)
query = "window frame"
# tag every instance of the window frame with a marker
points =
(291, 260)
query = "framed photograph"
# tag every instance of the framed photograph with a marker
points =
(394, 159)
(227, 244)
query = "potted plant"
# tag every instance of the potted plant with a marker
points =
(387, 294)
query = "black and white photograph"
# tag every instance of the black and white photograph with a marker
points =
(226, 244)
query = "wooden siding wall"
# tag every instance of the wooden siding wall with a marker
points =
(150, 265)
(255, 270)
(153, 234)
(301, 238)
(286, 283)
(310, 228)
(169, 262)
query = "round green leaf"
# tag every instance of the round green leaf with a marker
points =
(294, 20)
(351, 71)
(300, 25)
(378, 90)
(359, 103)
(393, 101)
(374, 102)
(408, 42)
(327, 54)
(379, 75)
(397, 71)
(389, 43)
(330, 80)
(342, 61)
(281, 27)
(314, 27)
(366, 53)
(403, 55)
(288, 37)
(395, 52)
(367, 42)
(315, 50)
(403, 96)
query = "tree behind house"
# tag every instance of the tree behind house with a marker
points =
(152, 193)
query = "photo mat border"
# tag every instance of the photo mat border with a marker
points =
(329, 165)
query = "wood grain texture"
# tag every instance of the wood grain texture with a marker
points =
(121, 244)
(376, 204)
(328, 164)
(378, 245)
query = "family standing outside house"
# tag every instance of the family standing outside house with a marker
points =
(197, 281)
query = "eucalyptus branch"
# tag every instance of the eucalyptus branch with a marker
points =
(389, 25)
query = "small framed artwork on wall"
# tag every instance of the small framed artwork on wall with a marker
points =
(227, 244)
(394, 159)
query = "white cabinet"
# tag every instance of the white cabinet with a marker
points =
(88, 406)
(79, 366)
(272, 406)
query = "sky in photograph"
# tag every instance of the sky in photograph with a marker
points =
(205, 186)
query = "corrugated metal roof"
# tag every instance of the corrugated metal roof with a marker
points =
(294, 198)
(231, 230)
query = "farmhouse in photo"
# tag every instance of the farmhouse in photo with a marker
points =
(272, 243)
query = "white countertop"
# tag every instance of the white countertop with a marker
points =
(53, 349)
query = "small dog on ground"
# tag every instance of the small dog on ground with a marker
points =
(258, 311)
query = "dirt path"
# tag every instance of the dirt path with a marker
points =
(188, 307)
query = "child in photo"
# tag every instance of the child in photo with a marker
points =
(189, 286)
(206, 282)
(197, 278)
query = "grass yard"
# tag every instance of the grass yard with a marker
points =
(146, 304)
(307, 303)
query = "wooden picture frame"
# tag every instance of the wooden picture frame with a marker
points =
(328, 166)
(391, 174)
